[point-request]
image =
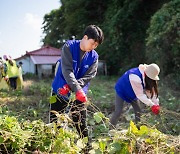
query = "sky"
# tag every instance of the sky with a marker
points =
(21, 23)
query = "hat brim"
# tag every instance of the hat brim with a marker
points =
(156, 78)
(153, 78)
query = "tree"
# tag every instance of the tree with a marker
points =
(125, 28)
(54, 28)
(163, 41)
(124, 23)
(71, 19)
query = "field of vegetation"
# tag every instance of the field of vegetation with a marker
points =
(135, 32)
(24, 124)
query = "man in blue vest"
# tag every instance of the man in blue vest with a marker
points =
(77, 66)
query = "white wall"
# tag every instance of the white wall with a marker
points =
(44, 70)
(27, 66)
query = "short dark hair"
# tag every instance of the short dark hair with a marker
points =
(95, 33)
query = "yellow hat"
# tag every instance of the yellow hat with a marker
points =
(152, 71)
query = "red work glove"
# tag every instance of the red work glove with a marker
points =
(64, 90)
(81, 96)
(155, 109)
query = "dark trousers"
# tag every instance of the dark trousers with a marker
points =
(78, 112)
(13, 82)
(119, 103)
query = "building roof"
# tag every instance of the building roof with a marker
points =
(45, 51)
(44, 55)
(45, 59)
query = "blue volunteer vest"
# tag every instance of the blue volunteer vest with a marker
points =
(123, 86)
(79, 67)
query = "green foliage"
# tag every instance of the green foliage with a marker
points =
(30, 134)
(124, 23)
(39, 88)
(134, 140)
(102, 94)
(53, 27)
(30, 76)
(11, 132)
(163, 41)
(167, 122)
(71, 19)
(98, 116)
(121, 35)
(30, 103)
(52, 99)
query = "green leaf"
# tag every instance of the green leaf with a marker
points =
(98, 116)
(96, 151)
(85, 140)
(80, 143)
(95, 145)
(0, 109)
(35, 113)
(148, 140)
(102, 145)
(1, 139)
(143, 130)
(53, 99)
(91, 122)
(133, 128)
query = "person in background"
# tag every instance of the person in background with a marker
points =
(77, 66)
(20, 67)
(20, 78)
(137, 84)
(3, 83)
(2, 74)
(12, 71)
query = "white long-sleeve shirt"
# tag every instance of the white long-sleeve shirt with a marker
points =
(141, 94)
